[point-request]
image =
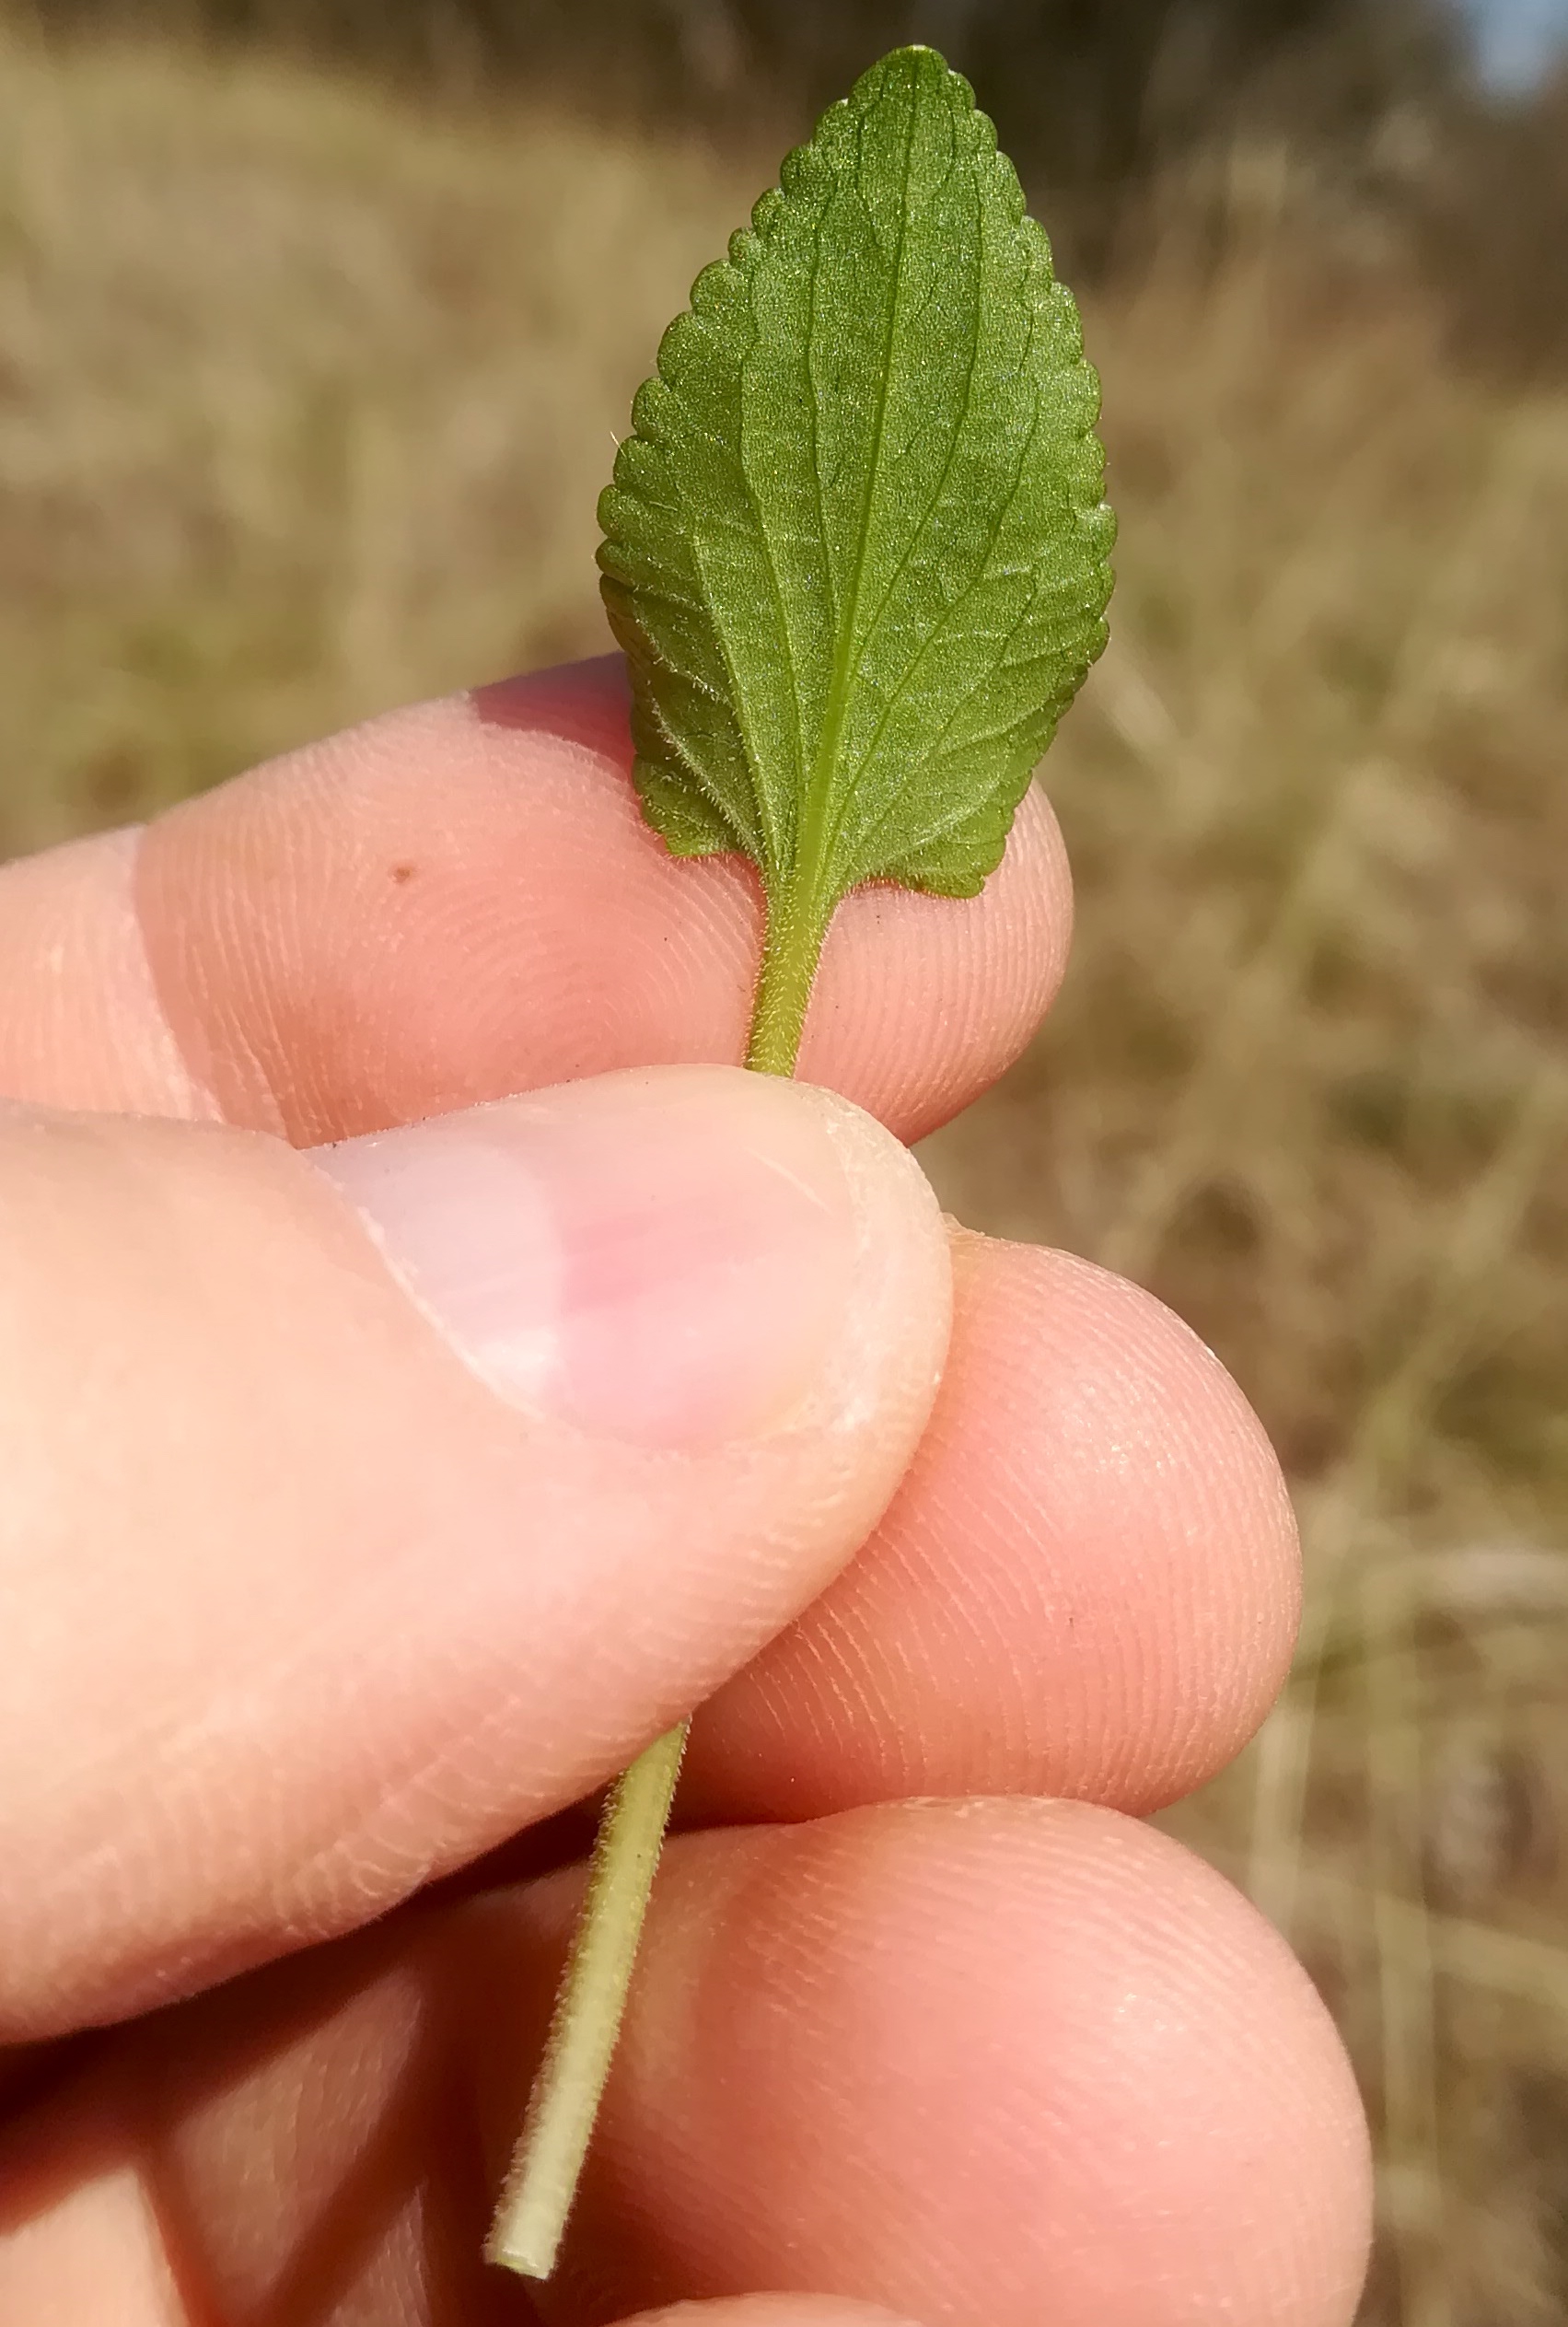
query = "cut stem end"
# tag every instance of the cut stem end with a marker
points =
(542, 2182)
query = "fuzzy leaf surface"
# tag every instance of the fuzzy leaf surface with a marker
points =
(855, 548)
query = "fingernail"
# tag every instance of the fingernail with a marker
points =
(658, 1256)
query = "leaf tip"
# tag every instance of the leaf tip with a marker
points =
(920, 66)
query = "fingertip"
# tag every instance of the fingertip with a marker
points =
(462, 900)
(990, 2061)
(1088, 1584)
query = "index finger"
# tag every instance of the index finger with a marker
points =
(461, 901)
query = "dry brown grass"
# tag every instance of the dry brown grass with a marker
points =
(305, 399)
(304, 404)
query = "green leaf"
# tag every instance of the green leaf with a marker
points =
(855, 548)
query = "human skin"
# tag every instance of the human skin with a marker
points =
(365, 1506)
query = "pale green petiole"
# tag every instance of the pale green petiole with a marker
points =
(790, 955)
(564, 2101)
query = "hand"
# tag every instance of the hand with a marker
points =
(366, 1505)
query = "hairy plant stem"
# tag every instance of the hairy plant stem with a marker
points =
(548, 2161)
(586, 2019)
(791, 951)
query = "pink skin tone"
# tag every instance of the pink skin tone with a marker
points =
(376, 1503)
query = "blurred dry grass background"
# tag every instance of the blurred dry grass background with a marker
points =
(306, 390)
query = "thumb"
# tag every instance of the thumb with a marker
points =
(364, 1505)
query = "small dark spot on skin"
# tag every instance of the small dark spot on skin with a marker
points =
(403, 872)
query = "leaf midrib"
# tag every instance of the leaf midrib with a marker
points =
(814, 824)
